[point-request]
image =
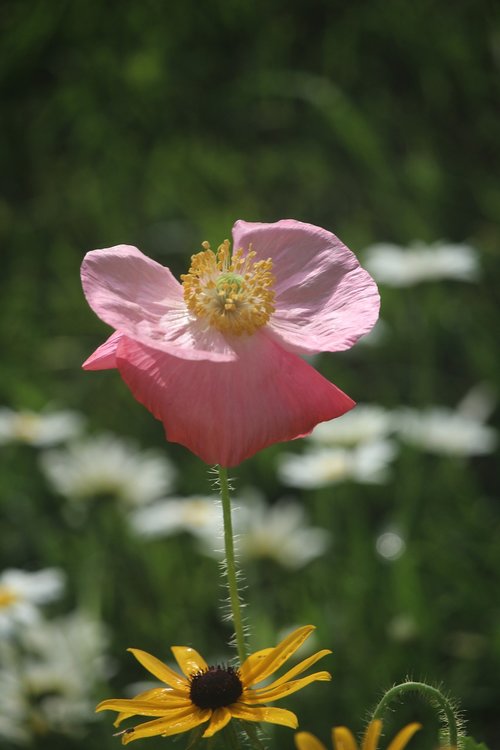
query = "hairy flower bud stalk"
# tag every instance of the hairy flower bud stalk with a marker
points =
(446, 711)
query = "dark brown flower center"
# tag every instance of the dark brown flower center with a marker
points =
(215, 687)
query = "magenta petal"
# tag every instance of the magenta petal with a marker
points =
(141, 298)
(104, 357)
(226, 412)
(324, 300)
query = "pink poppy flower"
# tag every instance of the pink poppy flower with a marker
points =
(215, 357)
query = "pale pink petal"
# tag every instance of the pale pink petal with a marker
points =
(226, 412)
(104, 356)
(141, 298)
(324, 300)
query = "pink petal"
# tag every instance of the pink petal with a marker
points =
(104, 357)
(226, 412)
(141, 298)
(324, 300)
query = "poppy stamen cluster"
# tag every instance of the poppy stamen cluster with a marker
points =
(234, 294)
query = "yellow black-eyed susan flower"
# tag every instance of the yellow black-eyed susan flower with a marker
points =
(215, 694)
(343, 738)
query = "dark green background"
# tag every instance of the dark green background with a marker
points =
(159, 124)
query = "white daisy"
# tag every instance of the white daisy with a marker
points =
(38, 428)
(49, 677)
(278, 532)
(108, 465)
(13, 724)
(367, 463)
(66, 655)
(364, 423)
(452, 432)
(196, 515)
(22, 593)
(401, 267)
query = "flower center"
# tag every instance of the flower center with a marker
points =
(233, 293)
(7, 597)
(215, 687)
(26, 426)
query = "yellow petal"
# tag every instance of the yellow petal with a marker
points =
(307, 741)
(168, 695)
(156, 692)
(252, 662)
(276, 692)
(160, 670)
(189, 660)
(167, 727)
(171, 716)
(372, 735)
(302, 666)
(264, 713)
(343, 739)
(220, 717)
(404, 736)
(133, 707)
(167, 713)
(153, 693)
(253, 672)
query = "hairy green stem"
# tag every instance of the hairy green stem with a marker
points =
(253, 736)
(231, 737)
(232, 579)
(434, 696)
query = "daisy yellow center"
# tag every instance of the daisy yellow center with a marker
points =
(26, 426)
(7, 597)
(215, 687)
(232, 293)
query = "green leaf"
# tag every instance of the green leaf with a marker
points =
(471, 744)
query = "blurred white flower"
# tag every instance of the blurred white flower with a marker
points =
(479, 403)
(453, 432)
(403, 628)
(364, 423)
(108, 465)
(277, 532)
(390, 545)
(22, 593)
(38, 428)
(50, 675)
(13, 724)
(401, 267)
(367, 463)
(196, 515)
(67, 656)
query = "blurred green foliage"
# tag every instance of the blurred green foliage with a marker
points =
(159, 124)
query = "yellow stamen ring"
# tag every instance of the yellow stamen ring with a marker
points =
(7, 597)
(233, 293)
